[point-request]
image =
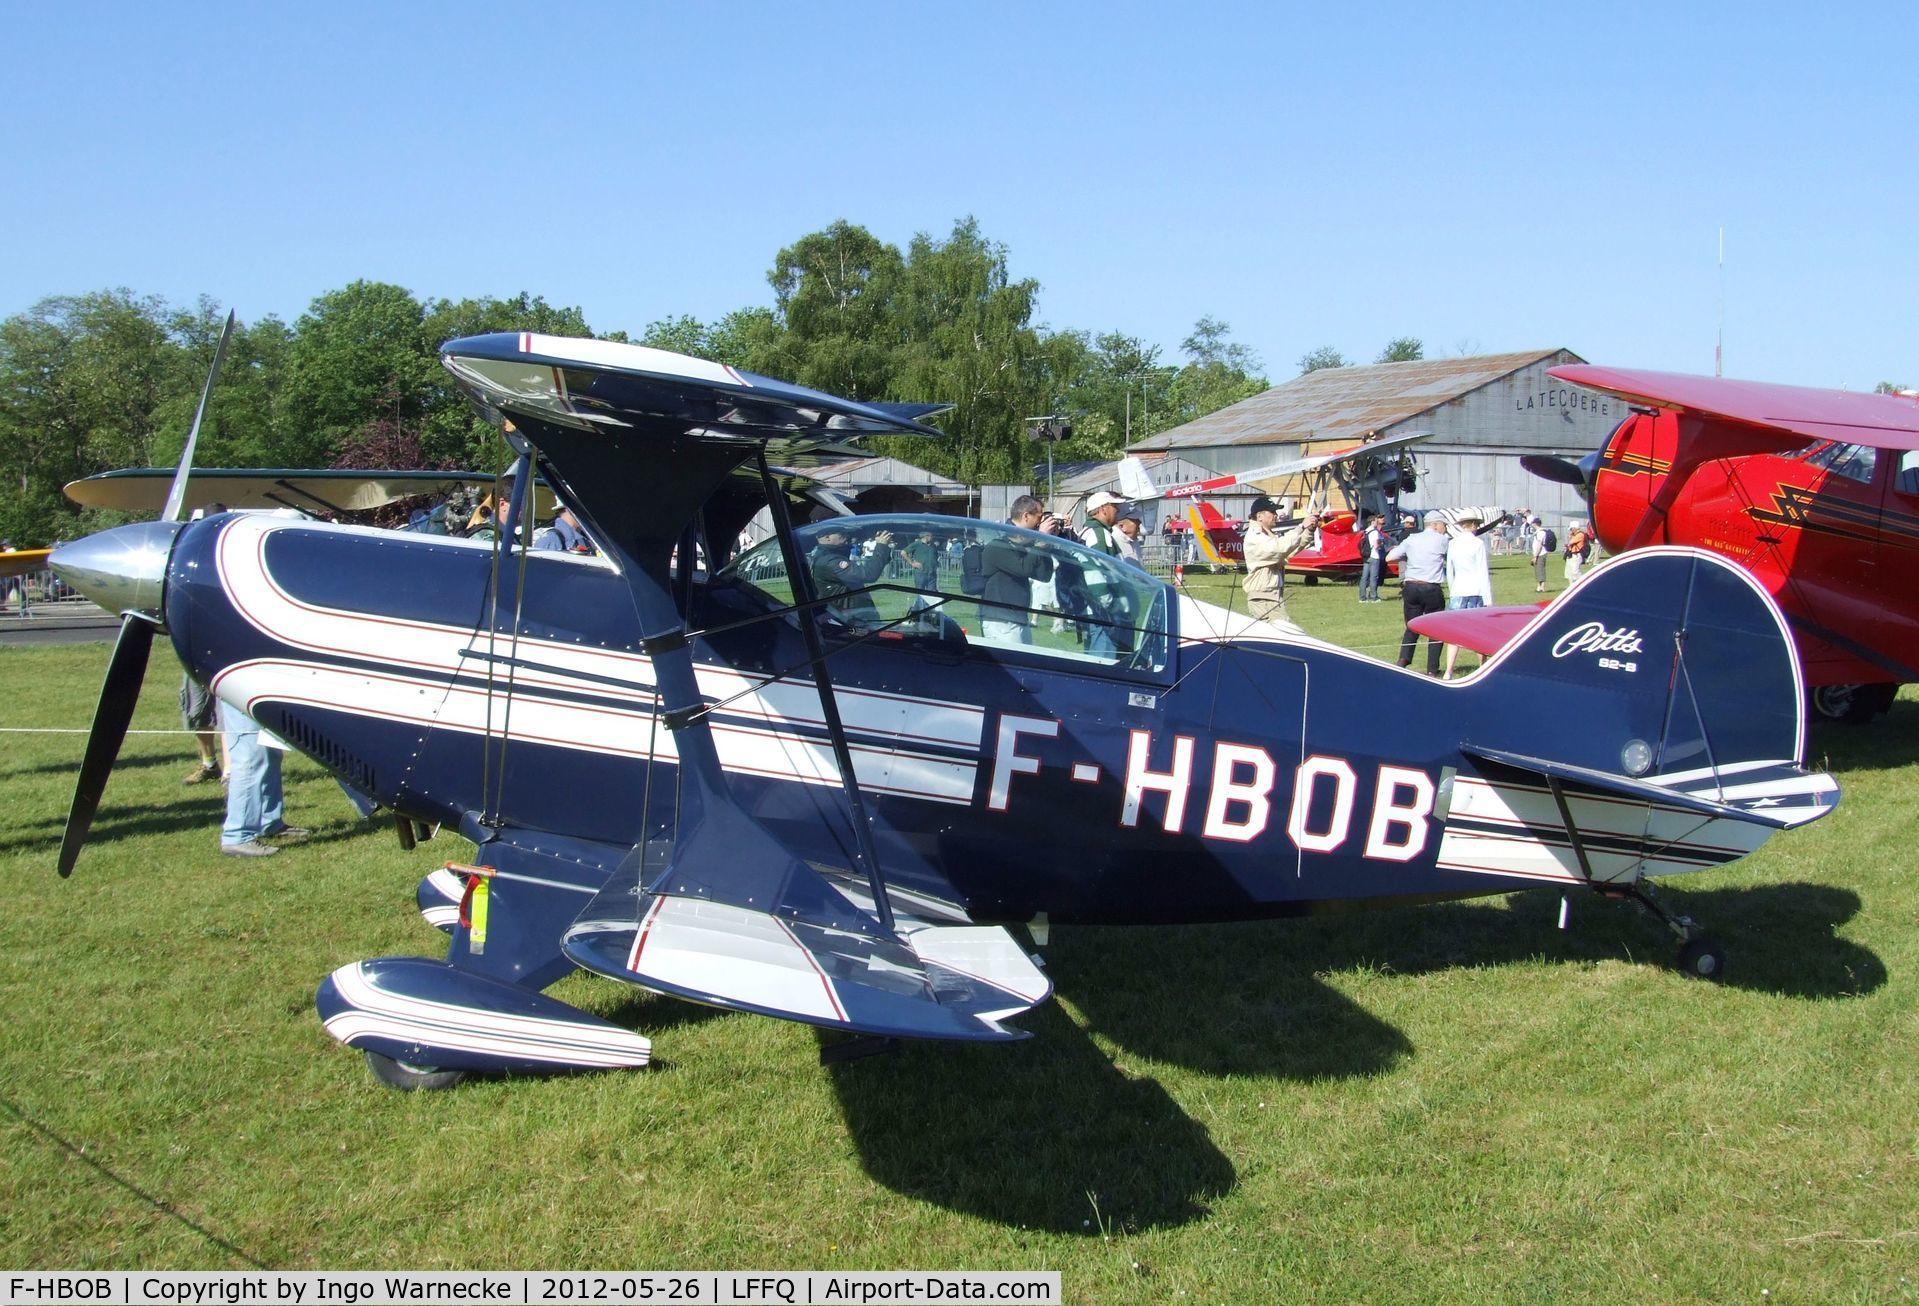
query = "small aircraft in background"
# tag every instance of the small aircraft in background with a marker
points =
(1369, 478)
(1814, 492)
(790, 783)
(23, 562)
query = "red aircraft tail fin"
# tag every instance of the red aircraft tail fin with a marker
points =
(1205, 519)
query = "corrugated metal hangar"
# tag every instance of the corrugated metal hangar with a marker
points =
(1484, 412)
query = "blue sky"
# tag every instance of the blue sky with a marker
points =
(1484, 177)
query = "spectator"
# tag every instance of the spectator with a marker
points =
(1469, 574)
(198, 711)
(1372, 553)
(922, 558)
(1010, 565)
(842, 579)
(1538, 547)
(1578, 548)
(1266, 551)
(256, 809)
(1422, 568)
(1128, 539)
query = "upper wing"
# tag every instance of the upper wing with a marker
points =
(1886, 421)
(310, 489)
(587, 384)
(1137, 483)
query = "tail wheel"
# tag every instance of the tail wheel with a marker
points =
(409, 1078)
(1703, 957)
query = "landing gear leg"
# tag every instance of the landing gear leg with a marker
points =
(1700, 954)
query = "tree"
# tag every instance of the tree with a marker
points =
(1402, 349)
(358, 355)
(834, 290)
(1221, 373)
(682, 335)
(446, 319)
(750, 338)
(1119, 392)
(1891, 388)
(86, 383)
(1208, 345)
(965, 336)
(1323, 357)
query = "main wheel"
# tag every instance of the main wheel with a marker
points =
(1853, 704)
(407, 1077)
(1703, 957)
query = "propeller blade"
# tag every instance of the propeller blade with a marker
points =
(118, 695)
(1558, 470)
(177, 493)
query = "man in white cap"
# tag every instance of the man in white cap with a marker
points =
(1422, 569)
(1102, 510)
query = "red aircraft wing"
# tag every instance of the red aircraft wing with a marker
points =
(1483, 630)
(1886, 421)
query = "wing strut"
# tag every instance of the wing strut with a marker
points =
(823, 680)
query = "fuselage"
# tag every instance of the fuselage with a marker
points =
(1831, 532)
(1177, 784)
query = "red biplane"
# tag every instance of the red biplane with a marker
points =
(1370, 478)
(1815, 492)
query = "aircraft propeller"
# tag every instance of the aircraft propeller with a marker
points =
(124, 570)
(1564, 471)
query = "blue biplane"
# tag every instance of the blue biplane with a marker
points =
(820, 778)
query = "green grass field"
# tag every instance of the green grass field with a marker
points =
(1458, 1103)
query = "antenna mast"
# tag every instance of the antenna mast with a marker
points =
(1719, 346)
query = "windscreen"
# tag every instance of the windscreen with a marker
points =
(1007, 591)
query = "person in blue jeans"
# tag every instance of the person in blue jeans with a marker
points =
(1373, 549)
(256, 808)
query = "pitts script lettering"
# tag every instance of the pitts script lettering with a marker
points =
(1593, 637)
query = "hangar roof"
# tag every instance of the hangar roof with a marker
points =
(1344, 405)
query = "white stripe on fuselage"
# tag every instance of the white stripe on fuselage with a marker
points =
(424, 658)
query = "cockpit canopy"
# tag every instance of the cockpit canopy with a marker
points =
(992, 585)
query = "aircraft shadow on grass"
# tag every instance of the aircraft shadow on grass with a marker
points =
(69, 767)
(1040, 1133)
(1885, 745)
(186, 814)
(1049, 1134)
(1267, 1013)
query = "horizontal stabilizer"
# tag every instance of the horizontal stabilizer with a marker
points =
(1780, 795)
(428, 1013)
(923, 981)
(1483, 630)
